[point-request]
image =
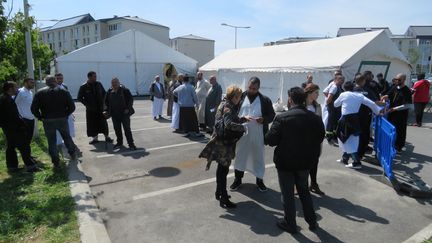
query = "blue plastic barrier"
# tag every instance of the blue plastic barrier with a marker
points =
(385, 137)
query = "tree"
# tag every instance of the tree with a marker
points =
(13, 62)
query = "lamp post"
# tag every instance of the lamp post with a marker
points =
(235, 31)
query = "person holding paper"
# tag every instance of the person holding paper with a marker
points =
(258, 110)
(214, 98)
(400, 99)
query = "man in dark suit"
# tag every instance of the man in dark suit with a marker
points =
(92, 94)
(297, 135)
(15, 130)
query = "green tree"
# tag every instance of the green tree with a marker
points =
(13, 61)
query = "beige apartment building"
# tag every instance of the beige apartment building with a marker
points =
(76, 32)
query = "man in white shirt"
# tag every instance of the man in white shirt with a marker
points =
(23, 100)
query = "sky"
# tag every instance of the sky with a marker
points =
(270, 20)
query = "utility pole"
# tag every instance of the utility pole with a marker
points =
(29, 51)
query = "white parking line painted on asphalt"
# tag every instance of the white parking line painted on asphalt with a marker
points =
(182, 187)
(144, 129)
(146, 150)
(132, 118)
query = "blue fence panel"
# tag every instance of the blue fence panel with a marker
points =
(385, 137)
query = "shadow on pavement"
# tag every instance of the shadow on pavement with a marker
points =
(261, 221)
(347, 209)
(164, 172)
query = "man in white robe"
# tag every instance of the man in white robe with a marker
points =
(258, 110)
(201, 90)
(175, 119)
(349, 125)
(157, 92)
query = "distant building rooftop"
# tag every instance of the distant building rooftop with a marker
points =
(359, 30)
(133, 18)
(193, 37)
(419, 30)
(81, 19)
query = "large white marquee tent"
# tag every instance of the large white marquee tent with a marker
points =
(284, 66)
(132, 56)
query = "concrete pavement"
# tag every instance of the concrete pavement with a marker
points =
(161, 193)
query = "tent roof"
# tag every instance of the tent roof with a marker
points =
(193, 37)
(121, 48)
(326, 54)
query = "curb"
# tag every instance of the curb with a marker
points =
(421, 236)
(91, 226)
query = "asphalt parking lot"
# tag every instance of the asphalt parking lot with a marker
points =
(161, 192)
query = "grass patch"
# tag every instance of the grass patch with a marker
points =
(36, 207)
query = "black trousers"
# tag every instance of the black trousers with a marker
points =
(334, 114)
(221, 179)
(287, 180)
(17, 140)
(118, 122)
(399, 119)
(419, 110)
(313, 173)
(188, 120)
(364, 137)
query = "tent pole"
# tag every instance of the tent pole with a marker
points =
(135, 63)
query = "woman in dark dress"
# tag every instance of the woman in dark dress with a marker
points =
(221, 148)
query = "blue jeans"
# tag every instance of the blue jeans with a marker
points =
(287, 180)
(61, 125)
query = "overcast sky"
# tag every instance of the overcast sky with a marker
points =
(270, 20)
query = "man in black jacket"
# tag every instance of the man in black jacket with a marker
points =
(92, 94)
(15, 130)
(297, 135)
(258, 111)
(118, 105)
(52, 105)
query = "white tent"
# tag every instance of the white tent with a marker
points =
(132, 56)
(284, 66)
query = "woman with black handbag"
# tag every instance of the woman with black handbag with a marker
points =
(221, 148)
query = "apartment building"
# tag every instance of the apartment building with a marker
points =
(76, 32)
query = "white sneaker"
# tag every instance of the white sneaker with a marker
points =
(354, 166)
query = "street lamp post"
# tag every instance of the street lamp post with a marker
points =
(235, 31)
(29, 51)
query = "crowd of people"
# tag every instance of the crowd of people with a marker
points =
(240, 124)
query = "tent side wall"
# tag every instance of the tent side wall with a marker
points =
(275, 85)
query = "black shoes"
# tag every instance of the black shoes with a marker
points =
(260, 185)
(117, 146)
(236, 184)
(218, 195)
(282, 224)
(94, 141)
(224, 202)
(315, 189)
(132, 147)
(109, 140)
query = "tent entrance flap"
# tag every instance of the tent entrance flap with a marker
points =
(375, 67)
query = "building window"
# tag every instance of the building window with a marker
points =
(77, 32)
(71, 33)
(60, 45)
(88, 30)
(76, 44)
(50, 46)
(58, 35)
(84, 41)
(96, 28)
(48, 36)
(64, 34)
(114, 27)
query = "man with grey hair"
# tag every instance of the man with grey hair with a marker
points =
(214, 98)
(157, 92)
(201, 90)
(52, 105)
(400, 99)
